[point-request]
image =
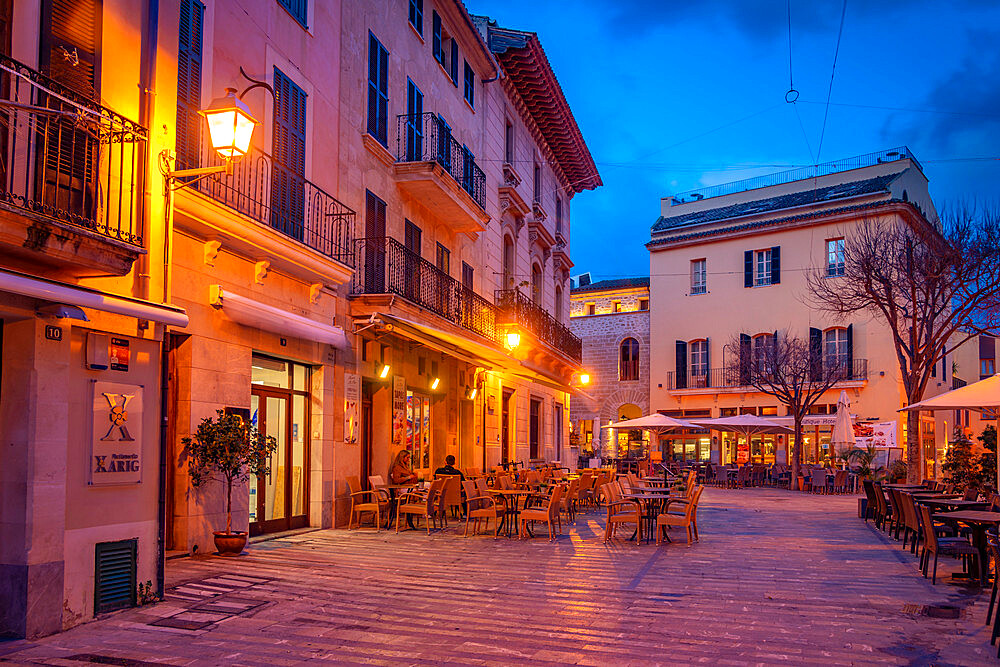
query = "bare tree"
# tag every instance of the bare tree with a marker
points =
(935, 286)
(788, 368)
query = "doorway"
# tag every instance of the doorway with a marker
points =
(505, 428)
(279, 408)
(534, 427)
(366, 432)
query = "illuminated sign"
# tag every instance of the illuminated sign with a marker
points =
(116, 437)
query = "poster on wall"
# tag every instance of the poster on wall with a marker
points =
(880, 434)
(352, 403)
(116, 436)
(742, 452)
(398, 410)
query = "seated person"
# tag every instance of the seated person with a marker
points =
(400, 472)
(449, 468)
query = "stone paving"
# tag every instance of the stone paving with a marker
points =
(777, 577)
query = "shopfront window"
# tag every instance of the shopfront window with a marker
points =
(418, 429)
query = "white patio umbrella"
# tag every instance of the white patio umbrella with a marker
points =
(978, 396)
(655, 423)
(843, 427)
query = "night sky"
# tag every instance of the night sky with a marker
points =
(673, 96)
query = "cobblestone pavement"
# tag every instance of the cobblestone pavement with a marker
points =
(776, 578)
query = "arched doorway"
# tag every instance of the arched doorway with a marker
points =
(630, 442)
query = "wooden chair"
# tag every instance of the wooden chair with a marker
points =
(569, 499)
(952, 546)
(688, 519)
(452, 491)
(481, 507)
(619, 512)
(428, 504)
(548, 514)
(377, 503)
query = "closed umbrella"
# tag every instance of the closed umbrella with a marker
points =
(978, 396)
(842, 437)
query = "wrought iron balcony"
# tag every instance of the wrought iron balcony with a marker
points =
(386, 266)
(263, 189)
(729, 378)
(424, 137)
(518, 308)
(67, 158)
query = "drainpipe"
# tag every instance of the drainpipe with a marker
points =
(147, 82)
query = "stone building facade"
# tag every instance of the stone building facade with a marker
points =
(611, 317)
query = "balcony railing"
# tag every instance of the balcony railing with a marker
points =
(384, 266)
(726, 378)
(424, 137)
(264, 190)
(526, 313)
(68, 158)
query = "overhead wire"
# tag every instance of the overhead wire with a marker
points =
(833, 72)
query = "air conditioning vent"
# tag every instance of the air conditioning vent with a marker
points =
(114, 575)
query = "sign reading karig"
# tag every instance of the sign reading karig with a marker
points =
(118, 354)
(116, 441)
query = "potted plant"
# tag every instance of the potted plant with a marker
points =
(231, 449)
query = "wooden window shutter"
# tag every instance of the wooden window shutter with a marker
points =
(815, 353)
(849, 371)
(189, 65)
(436, 37)
(745, 356)
(748, 268)
(288, 157)
(680, 374)
(776, 265)
(70, 44)
(454, 61)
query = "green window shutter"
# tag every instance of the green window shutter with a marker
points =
(775, 265)
(289, 157)
(815, 353)
(114, 575)
(70, 45)
(189, 65)
(436, 37)
(748, 268)
(298, 9)
(680, 375)
(378, 91)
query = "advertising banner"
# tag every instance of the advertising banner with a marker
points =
(398, 410)
(352, 406)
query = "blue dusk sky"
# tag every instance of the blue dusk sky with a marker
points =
(673, 96)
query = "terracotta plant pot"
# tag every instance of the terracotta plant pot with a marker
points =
(230, 544)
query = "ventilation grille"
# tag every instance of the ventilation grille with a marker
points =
(114, 576)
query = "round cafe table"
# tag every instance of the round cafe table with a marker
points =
(652, 501)
(512, 508)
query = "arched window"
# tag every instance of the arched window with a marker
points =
(559, 304)
(835, 348)
(536, 284)
(508, 262)
(628, 360)
(763, 353)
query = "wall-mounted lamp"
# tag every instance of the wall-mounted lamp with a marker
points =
(230, 129)
(513, 339)
(471, 392)
(580, 378)
(383, 371)
(434, 383)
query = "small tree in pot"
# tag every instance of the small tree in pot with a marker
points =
(231, 449)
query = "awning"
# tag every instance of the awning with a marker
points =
(253, 313)
(56, 292)
(468, 350)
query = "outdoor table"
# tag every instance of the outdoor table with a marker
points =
(393, 500)
(946, 502)
(651, 501)
(511, 509)
(977, 521)
(903, 487)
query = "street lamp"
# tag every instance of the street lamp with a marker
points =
(230, 125)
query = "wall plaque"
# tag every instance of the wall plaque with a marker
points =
(116, 439)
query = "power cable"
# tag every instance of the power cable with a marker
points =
(833, 71)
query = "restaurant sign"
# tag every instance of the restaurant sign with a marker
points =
(116, 437)
(352, 404)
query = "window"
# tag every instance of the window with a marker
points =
(559, 304)
(467, 276)
(763, 346)
(444, 47)
(378, 91)
(288, 135)
(537, 185)
(417, 16)
(628, 360)
(414, 122)
(699, 361)
(536, 284)
(616, 306)
(443, 258)
(508, 143)
(643, 304)
(835, 257)
(591, 308)
(762, 268)
(468, 170)
(987, 367)
(412, 237)
(189, 63)
(508, 262)
(558, 215)
(835, 348)
(437, 42)
(470, 85)
(699, 284)
(298, 9)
